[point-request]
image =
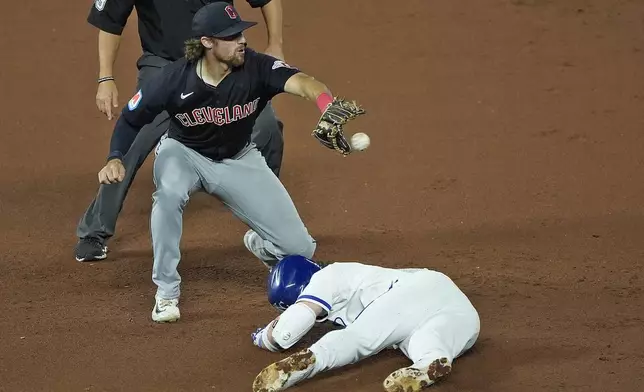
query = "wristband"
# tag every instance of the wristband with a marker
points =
(115, 155)
(105, 79)
(323, 101)
(266, 343)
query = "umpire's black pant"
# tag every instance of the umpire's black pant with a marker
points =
(100, 218)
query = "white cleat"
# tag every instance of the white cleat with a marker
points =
(285, 373)
(255, 244)
(414, 380)
(166, 310)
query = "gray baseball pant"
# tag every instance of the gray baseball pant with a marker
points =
(244, 183)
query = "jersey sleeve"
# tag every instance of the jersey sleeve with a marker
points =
(110, 15)
(152, 98)
(274, 73)
(320, 291)
(257, 3)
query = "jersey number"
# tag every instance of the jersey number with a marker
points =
(229, 10)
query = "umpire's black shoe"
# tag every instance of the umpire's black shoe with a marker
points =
(90, 249)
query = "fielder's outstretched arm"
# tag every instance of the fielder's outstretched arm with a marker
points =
(336, 112)
(308, 87)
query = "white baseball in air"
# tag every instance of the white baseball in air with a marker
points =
(360, 141)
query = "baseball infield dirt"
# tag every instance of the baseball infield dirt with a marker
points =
(506, 152)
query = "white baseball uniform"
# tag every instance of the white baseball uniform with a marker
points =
(420, 311)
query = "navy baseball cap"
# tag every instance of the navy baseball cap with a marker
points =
(219, 20)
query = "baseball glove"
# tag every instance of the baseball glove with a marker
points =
(329, 130)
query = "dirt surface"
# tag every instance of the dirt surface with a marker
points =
(507, 153)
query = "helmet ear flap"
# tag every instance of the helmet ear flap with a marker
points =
(279, 307)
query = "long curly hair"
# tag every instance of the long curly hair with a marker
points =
(194, 49)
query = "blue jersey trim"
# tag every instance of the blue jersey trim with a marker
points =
(320, 301)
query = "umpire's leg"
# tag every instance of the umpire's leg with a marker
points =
(268, 137)
(99, 221)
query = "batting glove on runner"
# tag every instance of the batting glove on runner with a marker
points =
(261, 340)
(328, 130)
(257, 337)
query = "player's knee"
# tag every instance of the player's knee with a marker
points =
(167, 195)
(337, 348)
(303, 245)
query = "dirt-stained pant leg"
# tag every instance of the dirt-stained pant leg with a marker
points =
(99, 220)
(446, 335)
(444, 325)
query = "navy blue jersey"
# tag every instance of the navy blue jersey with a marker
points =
(163, 25)
(216, 121)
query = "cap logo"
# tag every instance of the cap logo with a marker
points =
(231, 12)
(100, 4)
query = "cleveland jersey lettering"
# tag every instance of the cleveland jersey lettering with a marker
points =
(217, 116)
(216, 121)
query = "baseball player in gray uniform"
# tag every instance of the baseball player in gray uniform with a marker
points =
(163, 27)
(213, 97)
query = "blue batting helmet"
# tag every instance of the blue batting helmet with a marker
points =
(288, 278)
